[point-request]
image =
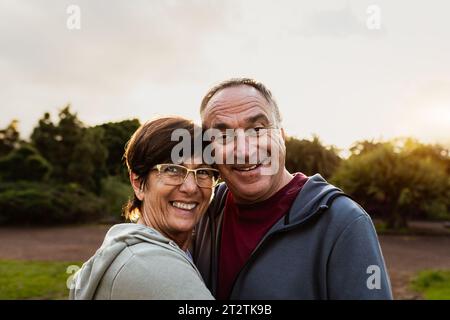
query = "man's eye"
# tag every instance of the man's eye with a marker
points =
(257, 131)
(260, 130)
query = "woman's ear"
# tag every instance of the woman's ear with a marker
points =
(137, 185)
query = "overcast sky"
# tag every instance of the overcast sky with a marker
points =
(331, 74)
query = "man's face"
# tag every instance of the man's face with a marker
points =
(241, 108)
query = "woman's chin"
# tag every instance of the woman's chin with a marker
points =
(183, 227)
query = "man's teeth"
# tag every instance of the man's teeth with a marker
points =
(247, 168)
(183, 205)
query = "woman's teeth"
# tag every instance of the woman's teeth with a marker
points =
(184, 205)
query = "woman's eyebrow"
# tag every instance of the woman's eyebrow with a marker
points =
(200, 166)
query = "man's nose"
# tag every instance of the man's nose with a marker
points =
(241, 147)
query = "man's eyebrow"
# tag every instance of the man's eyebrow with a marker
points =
(250, 120)
(221, 126)
(259, 117)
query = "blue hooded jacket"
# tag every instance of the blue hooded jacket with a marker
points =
(326, 247)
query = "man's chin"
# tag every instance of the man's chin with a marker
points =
(250, 192)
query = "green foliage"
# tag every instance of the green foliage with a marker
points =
(34, 280)
(57, 143)
(57, 178)
(116, 135)
(76, 153)
(87, 165)
(9, 138)
(45, 138)
(393, 180)
(24, 163)
(116, 194)
(311, 157)
(28, 203)
(433, 284)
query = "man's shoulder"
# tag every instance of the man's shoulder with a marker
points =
(343, 212)
(337, 209)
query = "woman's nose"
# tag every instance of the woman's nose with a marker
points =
(189, 184)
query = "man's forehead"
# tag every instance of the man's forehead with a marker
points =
(233, 105)
(235, 94)
(236, 100)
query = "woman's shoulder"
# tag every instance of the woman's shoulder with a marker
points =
(149, 271)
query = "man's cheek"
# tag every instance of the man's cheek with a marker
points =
(275, 150)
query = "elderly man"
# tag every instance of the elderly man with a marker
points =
(271, 234)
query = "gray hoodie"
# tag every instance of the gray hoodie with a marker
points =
(137, 262)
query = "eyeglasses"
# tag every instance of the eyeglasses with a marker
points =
(229, 135)
(175, 175)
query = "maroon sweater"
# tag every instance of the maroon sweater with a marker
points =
(245, 225)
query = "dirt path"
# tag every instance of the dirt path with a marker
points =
(405, 255)
(74, 243)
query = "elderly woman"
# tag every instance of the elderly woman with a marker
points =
(150, 259)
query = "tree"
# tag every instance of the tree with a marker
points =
(24, 163)
(311, 157)
(57, 143)
(87, 164)
(390, 178)
(9, 138)
(116, 135)
(364, 146)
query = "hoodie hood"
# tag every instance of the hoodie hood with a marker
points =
(312, 199)
(314, 195)
(120, 236)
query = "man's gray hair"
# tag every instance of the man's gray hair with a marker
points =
(234, 82)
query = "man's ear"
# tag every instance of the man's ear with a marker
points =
(137, 185)
(283, 134)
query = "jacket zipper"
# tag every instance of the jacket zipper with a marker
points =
(215, 247)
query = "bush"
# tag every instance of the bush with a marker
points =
(396, 184)
(115, 194)
(24, 163)
(38, 203)
(311, 157)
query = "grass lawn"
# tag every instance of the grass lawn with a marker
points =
(34, 280)
(433, 284)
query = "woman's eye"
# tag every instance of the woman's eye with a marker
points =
(172, 169)
(203, 173)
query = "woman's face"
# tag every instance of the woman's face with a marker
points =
(174, 210)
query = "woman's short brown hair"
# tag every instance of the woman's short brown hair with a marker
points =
(152, 144)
